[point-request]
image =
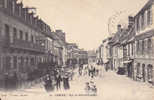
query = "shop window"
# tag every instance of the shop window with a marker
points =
(138, 69)
(150, 72)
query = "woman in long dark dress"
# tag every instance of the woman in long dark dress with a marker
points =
(66, 82)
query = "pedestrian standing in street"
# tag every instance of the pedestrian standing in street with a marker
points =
(48, 84)
(90, 70)
(100, 71)
(66, 82)
(58, 81)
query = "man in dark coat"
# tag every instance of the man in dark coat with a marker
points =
(58, 82)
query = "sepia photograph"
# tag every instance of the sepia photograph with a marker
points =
(76, 49)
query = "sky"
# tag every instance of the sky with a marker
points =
(85, 22)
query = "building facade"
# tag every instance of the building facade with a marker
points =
(22, 41)
(144, 43)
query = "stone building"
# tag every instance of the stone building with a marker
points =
(144, 43)
(72, 54)
(99, 53)
(22, 42)
(92, 56)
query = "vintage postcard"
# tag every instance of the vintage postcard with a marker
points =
(76, 49)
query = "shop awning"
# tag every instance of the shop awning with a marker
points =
(128, 61)
(105, 61)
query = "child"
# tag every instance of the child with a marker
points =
(87, 88)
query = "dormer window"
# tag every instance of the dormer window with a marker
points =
(20, 9)
(31, 18)
(25, 13)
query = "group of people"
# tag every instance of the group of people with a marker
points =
(57, 81)
(91, 70)
(64, 79)
(90, 87)
(11, 81)
(48, 83)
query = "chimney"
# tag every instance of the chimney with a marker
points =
(130, 22)
(119, 28)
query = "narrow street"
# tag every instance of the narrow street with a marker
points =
(109, 86)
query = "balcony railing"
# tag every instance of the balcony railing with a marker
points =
(27, 45)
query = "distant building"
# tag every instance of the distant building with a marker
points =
(92, 56)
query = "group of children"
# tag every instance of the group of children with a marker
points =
(90, 87)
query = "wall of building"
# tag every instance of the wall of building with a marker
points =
(144, 45)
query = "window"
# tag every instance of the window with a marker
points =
(31, 18)
(15, 61)
(128, 49)
(32, 61)
(138, 46)
(7, 63)
(7, 30)
(137, 23)
(14, 33)
(13, 7)
(143, 46)
(138, 68)
(150, 72)
(132, 49)
(20, 10)
(7, 33)
(149, 16)
(21, 35)
(25, 13)
(149, 45)
(5, 3)
(142, 21)
(32, 38)
(26, 36)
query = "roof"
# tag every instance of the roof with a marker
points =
(150, 2)
(130, 35)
